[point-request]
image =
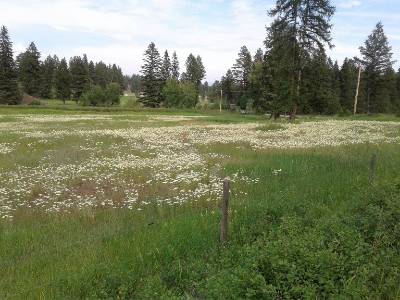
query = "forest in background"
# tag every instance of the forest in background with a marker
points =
(291, 75)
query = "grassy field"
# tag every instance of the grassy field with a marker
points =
(122, 204)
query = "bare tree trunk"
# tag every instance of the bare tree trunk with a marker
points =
(357, 91)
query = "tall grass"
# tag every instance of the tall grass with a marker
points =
(318, 229)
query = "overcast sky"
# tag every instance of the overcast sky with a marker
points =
(118, 31)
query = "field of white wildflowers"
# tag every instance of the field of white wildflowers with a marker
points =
(62, 163)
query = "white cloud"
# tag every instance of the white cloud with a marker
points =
(350, 3)
(214, 29)
(131, 24)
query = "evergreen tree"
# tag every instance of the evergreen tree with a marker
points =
(92, 73)
(242, 69)
(175, 66)
(260, 87)
(195, 71)
(348, 84)
(320, 88)
(9, 93)
(101, 74)
(152, 77)
(376, 59)
(166, 68)
(28, 64)
(307, 22)
(79, 77)
(117, 76)
(63, 81)
(259, 56)
(228, 86)
(279, 69)
(48, 68)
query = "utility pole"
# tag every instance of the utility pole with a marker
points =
(357, 91)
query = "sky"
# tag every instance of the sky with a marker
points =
(119, 31)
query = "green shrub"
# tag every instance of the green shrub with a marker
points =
(93, 97)
(113, 93)
(179, 94)
(97, 96)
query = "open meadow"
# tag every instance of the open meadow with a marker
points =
(123, 204)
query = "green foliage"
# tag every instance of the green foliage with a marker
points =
(79, 77)
(304, 26)
(195, 71)
(152, 80)
(179, 94)
(348, 84)
(97, 96)
(242, 69)
(175, 66)
(113, 93)
(377, 60)
(166, 68)
(28, 64)
(94, 96)
(9, 93)
(63, 81)
(47, 77)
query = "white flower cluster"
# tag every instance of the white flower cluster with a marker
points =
(6, 148)
(148, 165)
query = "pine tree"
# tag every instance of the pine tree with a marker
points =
(9, 93)
(376, 59)
(28, 64)
(320, 89)
(92, 73)
(279, 69)
(195, 71)
(117, 76)
(348, 84)
(242, 69)
(63, 81)
(152, 77)
(175, 67)
(48, 68)
(259, 56)
(101, 74)
(79, 77)
(307, 22)
(166, 68)
(228, 86)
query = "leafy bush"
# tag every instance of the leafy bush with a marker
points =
(179, 94)
(112, 93)
(97, 96)
(93, 97)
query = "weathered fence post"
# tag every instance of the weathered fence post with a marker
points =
(224, 212)
(372, 169)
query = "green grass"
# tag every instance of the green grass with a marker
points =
(316, 230)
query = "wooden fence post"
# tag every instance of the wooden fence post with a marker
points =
(372, 169)
(224, 212)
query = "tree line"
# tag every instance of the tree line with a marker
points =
(161, 82)
(52, 77)
(294, 74)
